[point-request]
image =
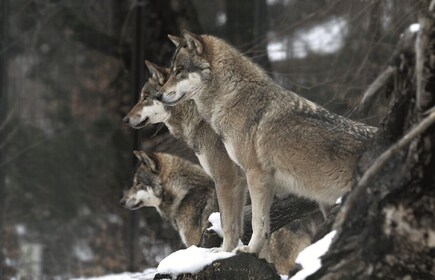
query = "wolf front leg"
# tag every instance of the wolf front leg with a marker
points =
(261, 194)
(231, 198)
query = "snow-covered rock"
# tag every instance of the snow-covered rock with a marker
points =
(190, 260)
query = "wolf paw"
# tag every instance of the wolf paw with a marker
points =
(242, 249)
(216, 249)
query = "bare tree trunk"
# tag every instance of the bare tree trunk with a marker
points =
(138, 70)
(3, 116)
(153, 44)
(425, 64)
(246, 28)
(386, 223)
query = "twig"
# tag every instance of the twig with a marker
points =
(384, 158)
(9, 136)
(423, 66)
(428, 112)
(6, 120)
(375, 88)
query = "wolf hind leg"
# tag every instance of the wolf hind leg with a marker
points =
(325, 209)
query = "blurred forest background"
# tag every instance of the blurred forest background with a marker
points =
(69, 72)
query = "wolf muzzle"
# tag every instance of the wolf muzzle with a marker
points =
(158, 96)
(122, 202)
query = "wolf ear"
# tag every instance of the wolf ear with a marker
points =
(194, 42)
(157, 72)
(148, 159)
(176, 40)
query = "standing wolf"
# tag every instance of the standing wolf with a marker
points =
(184, 122)
(277, 137)
(184, 195)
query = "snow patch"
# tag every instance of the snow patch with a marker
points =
(309, 258)
(277, 50)
(221, 18)
(114, 219)
(322, 39)
(20, 229)
(215, 220)
(190, 260)
(415, 27)
(326, 38)
(147, 274)
(82, 251)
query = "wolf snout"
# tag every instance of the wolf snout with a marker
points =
(126, 119)
(158, 95)
(122, 202)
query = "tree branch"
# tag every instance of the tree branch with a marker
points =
(424, 68)
(92, 38)
(380, 162)
(375, 87)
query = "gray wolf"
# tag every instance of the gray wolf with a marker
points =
(282, 141)
(181, 191)
(185, 195)
(184, 122)
(287, 242)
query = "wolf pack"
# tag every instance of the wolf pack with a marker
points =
(251, 137)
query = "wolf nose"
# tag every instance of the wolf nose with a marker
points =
(158, 96)
(122, 202)
(126, 119)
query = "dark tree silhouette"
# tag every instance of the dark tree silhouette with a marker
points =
(386, 223)
(3, 116)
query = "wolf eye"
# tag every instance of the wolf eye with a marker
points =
(178, 70)
(144, 98)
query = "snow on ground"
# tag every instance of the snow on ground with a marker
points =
(147, 274)
(215, 220)
(190, 260)
(309, 258)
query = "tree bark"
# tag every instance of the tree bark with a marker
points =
(425, 62)
(386, 226)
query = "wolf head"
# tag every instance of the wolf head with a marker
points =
(147, 189)
(148, 110)
(190, 70)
